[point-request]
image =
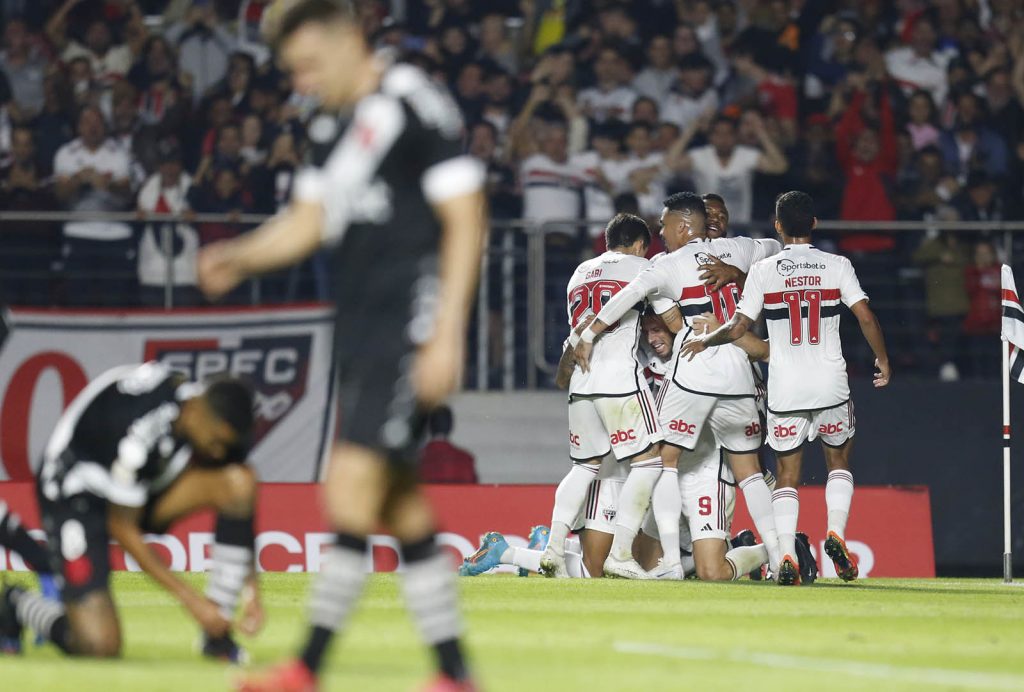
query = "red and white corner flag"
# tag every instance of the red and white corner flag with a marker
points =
(1013, 324)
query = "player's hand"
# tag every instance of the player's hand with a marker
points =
(217, 270)
(691, 348)
(706, 323)
(253, 616)
(207, 614)
(582, 355)
(716, 274)
(437, 370)
(884, 373)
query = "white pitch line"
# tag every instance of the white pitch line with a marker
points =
(885, 671)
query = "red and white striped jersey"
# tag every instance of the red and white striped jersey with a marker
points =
(799, 292)
(614, 368)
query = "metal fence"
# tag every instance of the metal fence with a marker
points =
(519, 319)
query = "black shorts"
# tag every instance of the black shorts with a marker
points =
(78, 542)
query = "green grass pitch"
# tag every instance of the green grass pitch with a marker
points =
(589, 635)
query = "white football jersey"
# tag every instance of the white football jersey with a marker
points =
(614, 368)
(799, 292)
(675, 279)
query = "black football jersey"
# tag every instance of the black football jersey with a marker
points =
(116, 440)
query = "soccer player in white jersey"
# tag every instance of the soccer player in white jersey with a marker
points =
(799, 292)
(717, 390)
(610, 406)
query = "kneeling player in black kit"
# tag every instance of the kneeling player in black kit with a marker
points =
(139, 448)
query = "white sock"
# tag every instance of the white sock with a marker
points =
(667, 505)
(634, 499)
(574, 565)
(759, 505)
(838, 496)
(688, 564)
(787, 511)
(522, 557)
(746, 559)
(569, 498)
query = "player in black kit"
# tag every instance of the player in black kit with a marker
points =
(389, 189)
(137, 449)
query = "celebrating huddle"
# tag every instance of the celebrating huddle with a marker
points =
(681, 323)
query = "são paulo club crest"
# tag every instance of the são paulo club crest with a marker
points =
(276, 367)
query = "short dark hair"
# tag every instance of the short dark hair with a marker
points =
(293, 15)
(441, 421)
(795, 212)
(714, 197)
(685, 201)
(231, 401)
(625, 229)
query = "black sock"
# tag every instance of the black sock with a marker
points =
(335, 592)
(450, 660)
(14, 537)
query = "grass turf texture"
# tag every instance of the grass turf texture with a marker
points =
(597, 635)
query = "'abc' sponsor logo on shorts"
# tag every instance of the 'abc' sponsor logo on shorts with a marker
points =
(682, 427)
(574, 439)
(784, 431)
(830, 428)
(752, 430)
(621, 436)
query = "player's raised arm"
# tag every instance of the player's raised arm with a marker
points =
(123, 525)
(282, 241)
(873, 334)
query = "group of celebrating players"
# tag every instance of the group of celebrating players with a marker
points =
(668, 411)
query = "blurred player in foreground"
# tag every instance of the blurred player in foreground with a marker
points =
(390, 191)
(799, 292)
(138, 449)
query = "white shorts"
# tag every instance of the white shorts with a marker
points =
(734, 423)
(624, 425)
(835, 426)
(601, 506)
(708, 490)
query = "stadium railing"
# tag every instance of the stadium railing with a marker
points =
(519, 319)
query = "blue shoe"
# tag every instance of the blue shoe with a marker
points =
(492, 547)
(48, 587)
(539, 536)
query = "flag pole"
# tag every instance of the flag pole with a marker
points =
(1007, 543)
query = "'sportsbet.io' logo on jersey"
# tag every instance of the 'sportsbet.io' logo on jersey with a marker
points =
(786, 267)
(702, 258)
(276, 367)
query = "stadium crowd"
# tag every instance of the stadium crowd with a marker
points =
(580, 108)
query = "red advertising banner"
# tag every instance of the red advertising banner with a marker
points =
(890, 528)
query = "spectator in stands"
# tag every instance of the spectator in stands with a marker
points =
(93, 173)
(832, 55)
(725, 167)
(54, 126)
(108, 61)
(920, 64)
(980, 200)
(503, 195)
(970, 143)
(815, 166)
(165, 95)
(237, 83)
(605, 169)
(253, 151)
(928, 192)
(656, 80)
(646, 111)
(85, 89)
(646, 170)
(610, 97)
(551, 182)
(922, 125)
(495, 44)
(166, 243)
(982, 325)
(24, 64)
(692, 97)
(497, 101)
(1006, 113)
(440, 460)
(204, 48)
(946, 303)
(125, 131)
(221, 192)
(468, 90)
(28, 247)
(776, 95)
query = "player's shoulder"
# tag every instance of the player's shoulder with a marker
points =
(426, 102)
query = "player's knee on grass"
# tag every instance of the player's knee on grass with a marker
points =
(709, 560)
(95, 630)
(239, 492)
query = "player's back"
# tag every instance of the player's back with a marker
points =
(723, 370)
(614, 369)
(800, 291)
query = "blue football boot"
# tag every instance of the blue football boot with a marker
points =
(492, 547)
(539, 536)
